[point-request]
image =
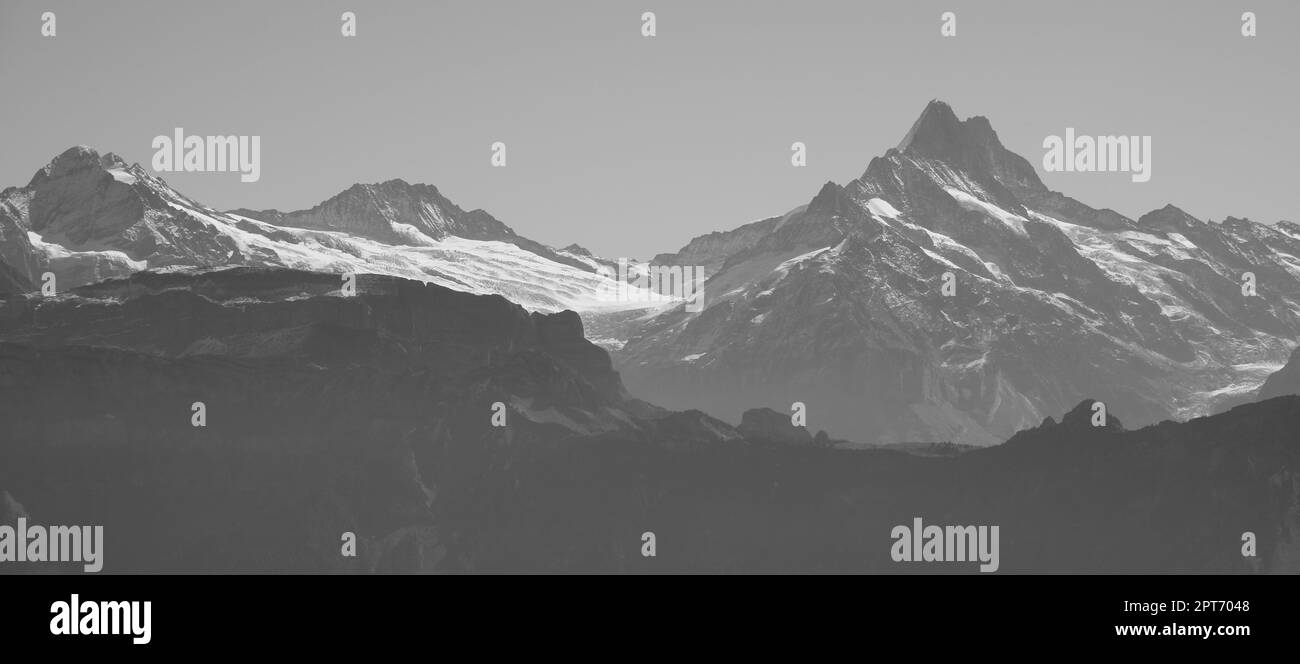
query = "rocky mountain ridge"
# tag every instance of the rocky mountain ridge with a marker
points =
(841, 304)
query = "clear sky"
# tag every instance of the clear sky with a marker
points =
(632, 145)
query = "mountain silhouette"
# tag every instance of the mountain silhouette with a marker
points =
(373, 414)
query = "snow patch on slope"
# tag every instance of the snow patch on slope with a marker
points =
(57, 252)
(881, 208)
(1013, 221)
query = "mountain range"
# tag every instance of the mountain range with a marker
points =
(86, 217)
(837, 303)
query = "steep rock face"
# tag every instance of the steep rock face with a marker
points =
(84, 197)
(970, 145)
(19, 267)
(562, 335)
(842, 304)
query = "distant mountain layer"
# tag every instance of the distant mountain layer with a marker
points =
(373, 414)
(839, 303)
(87, 217)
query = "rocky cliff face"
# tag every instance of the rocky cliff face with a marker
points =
(19, 267)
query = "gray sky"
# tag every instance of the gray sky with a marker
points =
(633, 145)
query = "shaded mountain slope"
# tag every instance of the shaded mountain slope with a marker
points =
(372, 414)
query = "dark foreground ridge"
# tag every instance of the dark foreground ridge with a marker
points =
(373, 414)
